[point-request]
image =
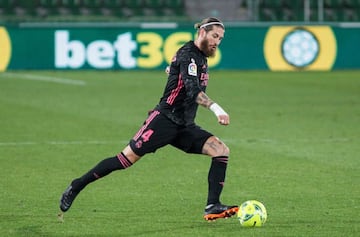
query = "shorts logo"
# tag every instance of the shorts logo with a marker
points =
(192, 68)
(138, 144)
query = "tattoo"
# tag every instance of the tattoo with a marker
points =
(204, 100)
(214, 147)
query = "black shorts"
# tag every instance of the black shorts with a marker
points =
(158, 131)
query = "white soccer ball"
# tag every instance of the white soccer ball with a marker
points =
(252, 213)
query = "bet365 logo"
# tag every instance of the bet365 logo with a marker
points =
(127, 50)
(5, 49)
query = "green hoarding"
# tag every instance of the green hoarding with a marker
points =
(287, 47)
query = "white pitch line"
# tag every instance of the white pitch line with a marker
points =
(279, 141)
(17, 143)
(44, 78)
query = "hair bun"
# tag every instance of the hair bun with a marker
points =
(197, 25)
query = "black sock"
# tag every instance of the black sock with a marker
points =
(102, 169)
(216, 178)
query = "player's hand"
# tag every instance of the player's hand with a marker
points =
(224, 119)
(222, 116)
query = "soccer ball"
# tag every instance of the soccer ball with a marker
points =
(252, 213)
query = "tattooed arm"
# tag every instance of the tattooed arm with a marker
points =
(203, 100)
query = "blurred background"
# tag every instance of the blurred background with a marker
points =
(179, 10)
(144, 34)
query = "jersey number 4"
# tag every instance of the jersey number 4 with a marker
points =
(146, 135)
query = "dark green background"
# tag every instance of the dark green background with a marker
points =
(242, 48)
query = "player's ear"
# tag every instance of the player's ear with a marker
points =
(202, 32)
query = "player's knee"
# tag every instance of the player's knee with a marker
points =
(226, 150)
(223, 149)
(130, 154)
(215, 147)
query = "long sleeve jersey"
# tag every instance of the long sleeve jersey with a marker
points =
(187, 78)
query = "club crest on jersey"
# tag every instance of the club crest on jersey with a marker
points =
(192, 68)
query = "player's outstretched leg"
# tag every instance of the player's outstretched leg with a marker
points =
(102, 169)
(218, 210)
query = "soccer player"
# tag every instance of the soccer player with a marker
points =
(171, 122)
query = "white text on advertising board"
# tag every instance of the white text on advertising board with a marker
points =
(144, 50)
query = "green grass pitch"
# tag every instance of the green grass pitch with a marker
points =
(294, 140)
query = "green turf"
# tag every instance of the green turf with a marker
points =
(294, 140)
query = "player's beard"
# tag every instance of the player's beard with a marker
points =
(207, 49)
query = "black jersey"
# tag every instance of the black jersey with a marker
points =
(188, 76)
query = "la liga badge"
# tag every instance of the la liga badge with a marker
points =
(192, 68)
